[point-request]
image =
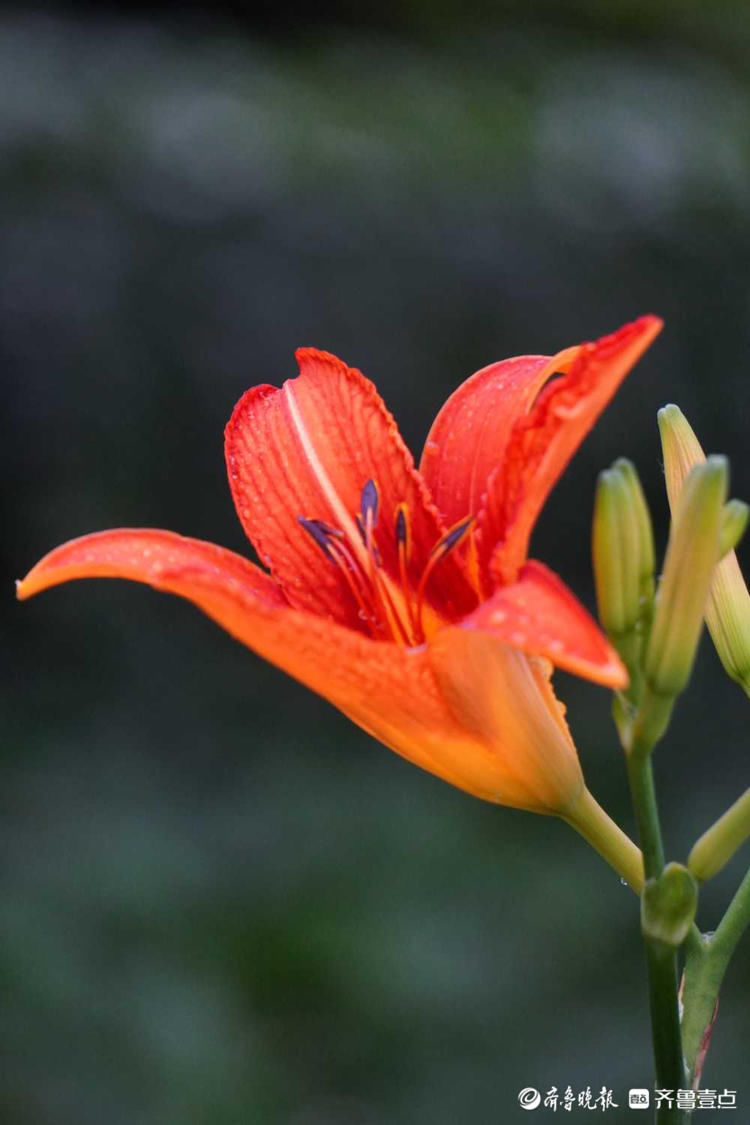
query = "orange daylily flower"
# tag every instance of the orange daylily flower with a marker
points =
(404, 596)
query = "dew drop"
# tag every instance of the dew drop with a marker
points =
(623, 881)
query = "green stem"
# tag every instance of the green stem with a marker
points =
(649, 722)
(660, 958)
(641, 778)
(665, 1023)
(706, 964)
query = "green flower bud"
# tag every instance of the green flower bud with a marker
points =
(692, 554)
(608, 555)
(717, 846)
(728, 608)
(646, 551)
(668, 905)
(623, 554)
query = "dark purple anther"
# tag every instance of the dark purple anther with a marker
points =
(454, 536)
(401, 526)
(321, 533)
(369, 504)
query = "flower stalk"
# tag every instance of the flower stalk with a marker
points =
(661, 957)
(590, 820)
(657, 638)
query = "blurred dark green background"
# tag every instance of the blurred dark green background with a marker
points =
(220, 902)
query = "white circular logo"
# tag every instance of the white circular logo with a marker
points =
(529, 1098)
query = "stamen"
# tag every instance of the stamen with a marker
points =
(398, 627)
(356, 581)
(367, 520)
(452, 537)
(369, 504)
(388, 611)
(402, 529)
(472, 565)
(332, 543)
(442, 548)
(403, 542)
(321, 533)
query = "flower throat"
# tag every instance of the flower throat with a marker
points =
(389, 610)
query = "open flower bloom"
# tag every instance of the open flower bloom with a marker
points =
(404, 596)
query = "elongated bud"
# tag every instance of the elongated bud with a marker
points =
(608, 556)
(623, 554)
(668, 905)
(717, 846)
(728, 608)
(646, 552)
(692, 554)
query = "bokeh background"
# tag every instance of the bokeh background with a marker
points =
(220, 902)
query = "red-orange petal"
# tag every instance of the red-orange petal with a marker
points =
(543, 441)
(505, 699)
(469, 435)
(388, 690)
(308, 449)
(541, 616)
(147, 555)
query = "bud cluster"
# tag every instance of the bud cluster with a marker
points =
(656, 629)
